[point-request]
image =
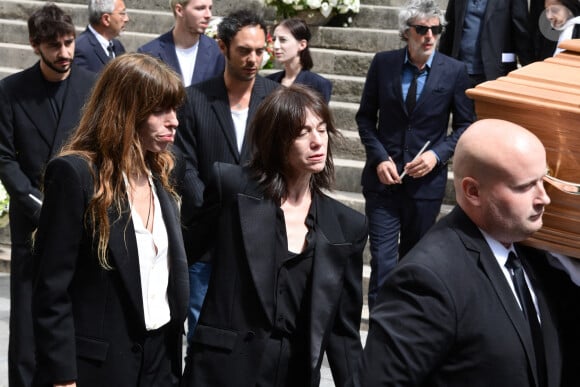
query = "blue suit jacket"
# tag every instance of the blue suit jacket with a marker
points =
(90, 54)
(209, 63)
(308, 78)
(387, 130)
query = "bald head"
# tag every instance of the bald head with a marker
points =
(498, 170)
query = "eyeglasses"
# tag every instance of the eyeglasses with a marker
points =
(422, 30)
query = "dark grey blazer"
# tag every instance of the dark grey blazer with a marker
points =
(237, 224)
(446, 316)
(505, 29)
(89, 322)
(308, 78)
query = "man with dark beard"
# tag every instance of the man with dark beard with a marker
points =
(39, 107)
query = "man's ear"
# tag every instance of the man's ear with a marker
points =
(178, 10)
(471, 190)
(222, 47)
(34, 46)
(106, 19)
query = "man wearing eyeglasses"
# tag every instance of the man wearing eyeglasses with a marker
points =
(97, 45)
(488, 36)
(406, 103)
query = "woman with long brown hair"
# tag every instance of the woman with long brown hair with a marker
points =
(111, 283)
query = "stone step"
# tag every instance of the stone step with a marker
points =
(355, 39)
(341, 62)
(377, 16)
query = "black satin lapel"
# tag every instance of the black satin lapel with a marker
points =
(257, 221)
(327, 275)
(124, 257)
(330, 258)
(178, 271)
(223, 114)
(510, 305)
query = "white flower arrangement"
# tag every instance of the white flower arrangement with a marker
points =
(4, 201)
(212, 28)
(289, 8)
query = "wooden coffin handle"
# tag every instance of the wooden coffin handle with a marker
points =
(562, 185)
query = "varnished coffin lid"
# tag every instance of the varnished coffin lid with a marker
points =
(544, 97)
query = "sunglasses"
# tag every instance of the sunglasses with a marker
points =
(422, 30)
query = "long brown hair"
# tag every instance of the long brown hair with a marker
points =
(130, 88)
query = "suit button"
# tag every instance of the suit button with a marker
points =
(249, 336)
(136, 348)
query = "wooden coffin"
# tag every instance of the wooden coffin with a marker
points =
(544, 97)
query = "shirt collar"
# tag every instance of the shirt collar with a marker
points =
(427, 65)
(102, 40)
(499, 250)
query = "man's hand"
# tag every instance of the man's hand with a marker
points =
(387, 172)
(422, 165)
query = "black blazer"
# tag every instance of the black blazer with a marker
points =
(206, 132)
(89, 322)
(387, 130)
(209, 62)
(30, 136)
(90, 54)
(308, 78)
(446, 316)
(236, 319)
(505, 29)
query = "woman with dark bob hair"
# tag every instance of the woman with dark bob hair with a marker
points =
(287, 259)
(291, 38)
(111, 284)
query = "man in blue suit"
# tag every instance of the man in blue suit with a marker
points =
(407, 100)
(185, 48)
(97, 45)
(196, 58)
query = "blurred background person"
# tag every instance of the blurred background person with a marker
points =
(185, 47)
(291, 38)
(287, 259)
(111, 285)
(97, 45)
(564, 16)
(489, 36)
(39, 108)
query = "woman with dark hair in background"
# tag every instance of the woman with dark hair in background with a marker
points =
(291, 38)
(287, 259)
(111, 284)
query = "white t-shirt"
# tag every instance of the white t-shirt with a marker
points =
(186, 58)
(240, 117)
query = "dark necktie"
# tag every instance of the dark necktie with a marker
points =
(110, 50)
(411, 100)
(517, 273)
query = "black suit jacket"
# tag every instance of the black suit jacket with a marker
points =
(90, 54)
(308, 78)
(30, 136)
(206, 132)
(237, 223)
(446, 316)
(209, 62)
(387, 130)
(505, 29)
(89, 322)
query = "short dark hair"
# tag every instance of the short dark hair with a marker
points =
(299, 31)
(235, 21)
(276, 124)
(49, 23)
